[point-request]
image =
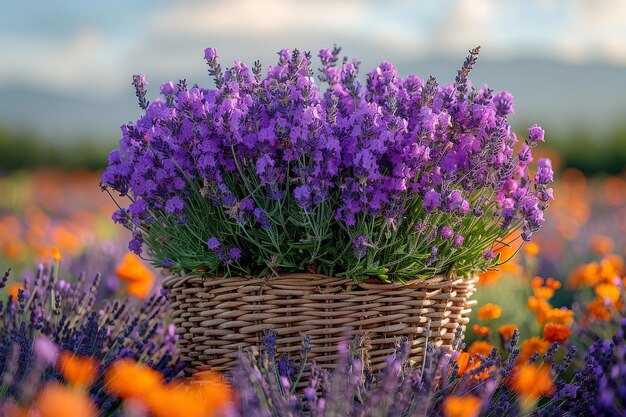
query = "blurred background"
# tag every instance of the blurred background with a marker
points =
(65, 90)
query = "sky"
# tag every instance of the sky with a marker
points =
(67, 64)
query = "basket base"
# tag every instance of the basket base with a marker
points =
(217, 318)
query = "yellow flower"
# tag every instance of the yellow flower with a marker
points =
(56, 400)
(78, 370)
(465, 406)
(489, 312)
(553, 332)
(532, 382)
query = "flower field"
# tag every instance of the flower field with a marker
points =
(565, 289)
(267, 175)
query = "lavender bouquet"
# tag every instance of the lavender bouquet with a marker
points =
(391, 178)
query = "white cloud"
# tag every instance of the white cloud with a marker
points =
(596, 30)
(289, 19)
(168, 42)
(84, 63)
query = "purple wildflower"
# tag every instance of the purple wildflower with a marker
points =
(235, 254)
(432, 200)
(174, 205)
(213, 243)
(262, 218)
(360, 246)
(544, 174)
(211, 54)
(503, 102)
(535, 135)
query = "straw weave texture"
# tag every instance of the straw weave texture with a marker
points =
(215, 318)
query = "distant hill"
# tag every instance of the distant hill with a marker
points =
(564, 98)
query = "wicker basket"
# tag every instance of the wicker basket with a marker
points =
(217, 317)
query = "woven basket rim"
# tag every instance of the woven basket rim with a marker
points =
(174, 280)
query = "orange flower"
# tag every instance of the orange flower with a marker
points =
(539, 306)
(536, 282)
(577, 277)
(553, 283)
(544, 290)
(559, 316)
(480, 330)
(128, 379)
(202, 398)
(140, 279)
(56, 255)
(175, 401)
(532, 346)
(598, 310)
(531, 381)
(465, 406)
(609, 292)
(13, 290)
(616, 261)
(553, 332)
(602, 244)
(56, 400)
(78, 370)
(543, 293)
(139, 289)
(489, 312)
(506, 331)
(213, 389)
(480, 347)
(15, 250)
(531, 248)
(463, 361)
(489, 277)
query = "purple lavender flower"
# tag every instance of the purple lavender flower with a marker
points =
(544, 174)
(235, 254)
(213, 243)
(287, 170)
(503, 102)
(174, 205)
(32, 336)
(211, 54)
(535, 135)
(360, 246)
(140, 83)
(46, 351)
(432, 200)
(169, 88)
(262, 218)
